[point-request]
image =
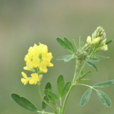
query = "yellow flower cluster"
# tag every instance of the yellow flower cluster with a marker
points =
(101, 44)
(37, 58)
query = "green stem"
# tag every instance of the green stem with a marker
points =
(74, 80)
(60, 102)
(87, 86)
(72, 85)
(44, 100)
(85, 63)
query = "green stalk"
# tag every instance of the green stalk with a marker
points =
(72, 85)
(44, 100)
(74, 80)
(85, 64)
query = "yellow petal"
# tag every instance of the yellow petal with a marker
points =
(104, 48)
(24, 75)
(96, 40)
(88, 39)
(31, 81)
(51, 65)
(24, 81)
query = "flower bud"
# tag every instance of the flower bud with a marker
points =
(88, 39)
(96, 40)
(105, 47)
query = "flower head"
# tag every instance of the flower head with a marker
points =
(98, 39)
(37, 60)
(38, 57)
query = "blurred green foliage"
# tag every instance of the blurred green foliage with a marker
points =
(25, 22)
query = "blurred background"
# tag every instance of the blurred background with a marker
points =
(25, 22)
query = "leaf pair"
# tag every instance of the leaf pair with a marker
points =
(102, 96)
(66, 44)
(62, 90)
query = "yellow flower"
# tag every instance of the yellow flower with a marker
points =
(38, 57)
(25, 79)
(34, 79)
(105, 47)
(88, 39)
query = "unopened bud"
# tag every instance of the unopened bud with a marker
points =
(104, 48)
(88, 39)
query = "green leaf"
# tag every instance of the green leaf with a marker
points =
(82, 76)
(24, 102)
(48, 86)
(93, 59)
(43, 104)
(66, 88)
(60, 84)
(105, 84)
(69, 44)
(104, 98)
(101, 57)
(93, 65)
(76, 44)
(86, 96)
(51, 100)
(63, 44)
(108, 42)
(66, 58)
(51, 94)
(85, 80)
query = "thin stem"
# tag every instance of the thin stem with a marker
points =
(74, 80)
(85, 63)
(60, 102)
(44, 100)
(87, 86)
(67, 95)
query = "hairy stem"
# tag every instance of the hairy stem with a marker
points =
(75, 79)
